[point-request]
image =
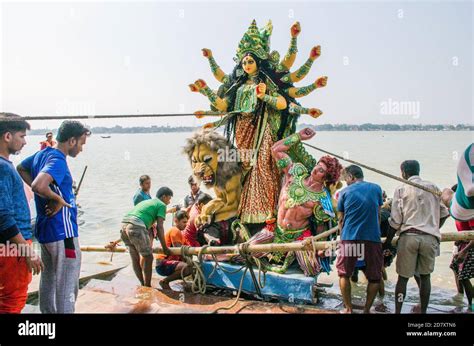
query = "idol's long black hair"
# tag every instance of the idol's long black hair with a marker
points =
(265, 71)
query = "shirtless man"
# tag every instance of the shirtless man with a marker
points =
(303, 195)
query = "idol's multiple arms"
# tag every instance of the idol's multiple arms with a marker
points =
(219, 105)
(215, 69)
(202, 87)
(297, 92)
(290, 55)
(299, 74)
(293, 108)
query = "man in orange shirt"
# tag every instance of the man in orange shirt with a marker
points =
(173, 266)
(49, 142)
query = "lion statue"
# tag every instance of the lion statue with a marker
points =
(206, 151)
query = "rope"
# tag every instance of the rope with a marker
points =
(260, 271)
(237, 297)
(107, 116)
(217, 265)
(243, 251)
(427, 189)
(239, 291)
(198, 283)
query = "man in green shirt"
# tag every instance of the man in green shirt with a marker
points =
(135, 233)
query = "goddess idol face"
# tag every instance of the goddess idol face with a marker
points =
(249, 65)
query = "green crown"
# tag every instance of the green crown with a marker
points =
(255, 41)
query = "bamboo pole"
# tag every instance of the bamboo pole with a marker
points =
(106, 116)
(81, 180)
(419, 186)
(307, 244)
(99, 248)
(325, 233)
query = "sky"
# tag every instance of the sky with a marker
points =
(387, 62)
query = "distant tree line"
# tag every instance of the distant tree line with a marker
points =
(325, 127)
(389, 127)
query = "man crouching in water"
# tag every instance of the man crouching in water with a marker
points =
(304, 194)
(137, 227)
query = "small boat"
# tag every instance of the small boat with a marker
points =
(292, 286)
(105, 137)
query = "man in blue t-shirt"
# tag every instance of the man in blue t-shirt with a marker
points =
(359, 220)
(48, 175)
(143, 193)
(17, 258)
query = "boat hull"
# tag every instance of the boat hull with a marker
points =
(292, 287)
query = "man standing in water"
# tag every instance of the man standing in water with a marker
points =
(18, 260)
(359, 207)
(48, 175)
(143, 193)
(417, 216)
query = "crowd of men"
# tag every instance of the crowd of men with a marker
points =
(415, 214)
(365, 216)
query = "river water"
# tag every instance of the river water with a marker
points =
(115, 164)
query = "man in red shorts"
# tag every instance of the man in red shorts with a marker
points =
(17, 259)
(173, 266)
(359, 220)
